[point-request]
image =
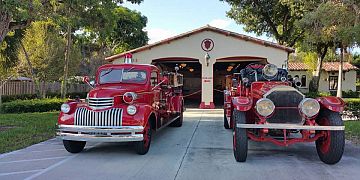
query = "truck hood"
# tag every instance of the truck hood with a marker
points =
(261, 88)
(111, 91)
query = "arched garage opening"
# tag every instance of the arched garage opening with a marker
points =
(227, 66)
(191, 69)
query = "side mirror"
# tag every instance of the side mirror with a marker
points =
(87, 81)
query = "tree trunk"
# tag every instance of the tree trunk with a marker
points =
(31, 69)
(340, 77)
(66, 64)
(5, 19)
(314, 84)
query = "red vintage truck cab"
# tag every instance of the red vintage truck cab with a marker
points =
(126, 104)
(262, 104)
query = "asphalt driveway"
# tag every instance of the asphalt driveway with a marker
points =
(200, 149)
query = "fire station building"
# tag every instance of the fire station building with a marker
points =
(205, 56)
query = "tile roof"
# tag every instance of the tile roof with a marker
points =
(327, 66)
(195, 31)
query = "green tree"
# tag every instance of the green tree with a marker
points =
(275, 18)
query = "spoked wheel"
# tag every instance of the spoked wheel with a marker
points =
(226, 124)
(240, 139)
(74, 146)
(330, 148)
(142, 147)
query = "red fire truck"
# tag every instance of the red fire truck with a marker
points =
(126, 104)
(262, 104)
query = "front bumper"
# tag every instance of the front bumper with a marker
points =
(100, 133)
(290, 126)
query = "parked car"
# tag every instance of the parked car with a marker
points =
(261, 104)
(127, 103)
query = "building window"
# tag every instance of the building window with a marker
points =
(303, 81)
(333, 82)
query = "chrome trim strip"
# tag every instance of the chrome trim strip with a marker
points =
(94, 138)
(109, 129)
(290, 126)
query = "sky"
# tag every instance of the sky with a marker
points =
(167, 18)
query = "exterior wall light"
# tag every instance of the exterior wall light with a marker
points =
(207, 58)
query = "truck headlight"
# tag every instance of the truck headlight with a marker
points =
(131, 110)
(65, 108)
(309, 107)
(129, 97)
(270, 71)
(265, 107)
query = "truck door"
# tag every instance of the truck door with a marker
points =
(154, 81)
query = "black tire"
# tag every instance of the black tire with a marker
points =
(142, 147)
(330, 148)
(226, 124)
(179, 121)
(74, 146)
(240, 139)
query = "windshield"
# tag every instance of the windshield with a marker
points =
(130, 75)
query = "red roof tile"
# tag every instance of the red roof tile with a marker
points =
(327, 66)
(205, 28)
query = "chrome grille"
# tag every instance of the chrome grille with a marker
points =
(100, 103)
(286, 100)
(85, 117)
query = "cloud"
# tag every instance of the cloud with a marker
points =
(158, 34)
(220, 23)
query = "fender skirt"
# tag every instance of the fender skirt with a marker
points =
(332, 103)
(242, 103)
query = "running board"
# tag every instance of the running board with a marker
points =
(289, 126)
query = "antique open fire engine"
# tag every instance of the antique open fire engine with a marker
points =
(261, 104)
(127, 103)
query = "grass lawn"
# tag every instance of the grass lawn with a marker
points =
(21, 130)
(352, 129)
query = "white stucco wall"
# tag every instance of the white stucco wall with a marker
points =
(348, 83)
(224, 46)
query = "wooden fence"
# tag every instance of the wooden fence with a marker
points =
(26, 87)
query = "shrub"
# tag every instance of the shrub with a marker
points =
(352, 107)
(8, 98)
(34, 105)
(316, 94)
(350, 94)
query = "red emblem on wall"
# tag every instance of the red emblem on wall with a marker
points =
(207, 45)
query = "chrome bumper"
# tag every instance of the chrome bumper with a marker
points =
(290, 126)
(100, 133)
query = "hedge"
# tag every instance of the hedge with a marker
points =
(34, 105)
(352, 108)
(9, 98)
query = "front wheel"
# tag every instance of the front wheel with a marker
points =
(240, 139)
(74, 146)
(142, 147)
(330, 148)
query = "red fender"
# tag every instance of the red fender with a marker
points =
(332, 103)
(147, 110)
(242, 103)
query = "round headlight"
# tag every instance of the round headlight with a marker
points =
(309, 107)
(65, 108)
(129, 97)
(131, 110)
(270, 71)
(265, 107)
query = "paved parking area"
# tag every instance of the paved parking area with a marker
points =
(200, 149)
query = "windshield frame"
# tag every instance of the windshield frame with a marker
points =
(124, 70)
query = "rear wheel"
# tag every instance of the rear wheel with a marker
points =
(74, 146)
(142, 147)
(240, 139)
(330, 148)
(226, 124)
